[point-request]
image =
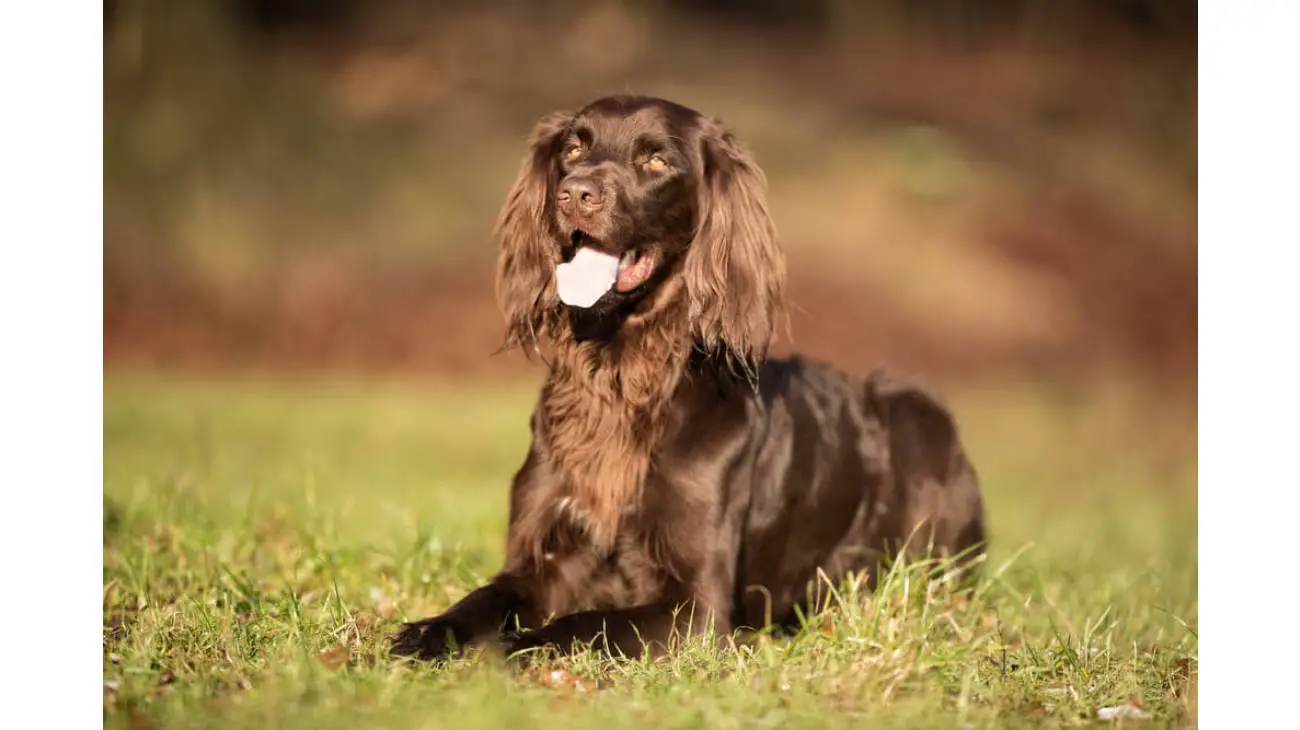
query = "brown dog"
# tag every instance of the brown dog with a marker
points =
(678, 478)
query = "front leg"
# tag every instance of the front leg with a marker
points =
(509, 596)
(627, 632)
(681, 611)
(482, 613)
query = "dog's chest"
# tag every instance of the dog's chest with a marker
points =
(577, 575)
(603, 458)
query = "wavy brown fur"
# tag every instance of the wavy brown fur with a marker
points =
(678, 479)
(601, 406)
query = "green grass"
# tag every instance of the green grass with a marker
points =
(261, 539)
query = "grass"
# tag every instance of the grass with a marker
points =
(261, 539)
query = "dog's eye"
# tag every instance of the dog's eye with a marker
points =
(656, 163)
(572, 151)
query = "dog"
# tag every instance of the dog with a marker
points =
(680, 480)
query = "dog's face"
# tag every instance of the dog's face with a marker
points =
(628, 194)
(626, 184)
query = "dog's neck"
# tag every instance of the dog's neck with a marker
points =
(598, 326)
(603, 409)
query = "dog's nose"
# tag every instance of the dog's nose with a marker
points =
(581, 195)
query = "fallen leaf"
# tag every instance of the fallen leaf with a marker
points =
(563, 680)
(1122, 712)
(362, 623)
(335, 657)
(1033, 709)
(139, 721)
(1181, 676)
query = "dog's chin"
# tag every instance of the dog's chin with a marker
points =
(602, 320)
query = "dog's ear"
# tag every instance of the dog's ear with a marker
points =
(734, 270)
(525, 287)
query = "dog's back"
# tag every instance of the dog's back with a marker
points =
(850, 472)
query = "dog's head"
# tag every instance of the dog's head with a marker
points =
(628, 205)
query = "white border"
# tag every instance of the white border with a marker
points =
(51, 347)
(51, 144)
(1248, 301)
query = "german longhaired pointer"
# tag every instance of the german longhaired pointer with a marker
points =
(679, 480)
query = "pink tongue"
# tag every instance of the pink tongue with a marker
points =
(586, 278)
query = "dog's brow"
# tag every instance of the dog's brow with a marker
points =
(685, 143)
(652, 140)
(619, 131)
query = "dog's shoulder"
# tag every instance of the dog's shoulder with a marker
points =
(804, 378)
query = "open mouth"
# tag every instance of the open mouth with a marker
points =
(634, 267)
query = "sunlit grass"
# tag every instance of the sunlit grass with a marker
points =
(262, 539)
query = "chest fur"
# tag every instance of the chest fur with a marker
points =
(601, 443)
(579, 578)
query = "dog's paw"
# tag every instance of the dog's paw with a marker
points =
(560, 638)
(519, 644)
(428, 640)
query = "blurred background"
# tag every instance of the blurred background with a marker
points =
(965, 189)
(305, 409)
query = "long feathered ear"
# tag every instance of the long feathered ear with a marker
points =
(734, 271)
(525, 229)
